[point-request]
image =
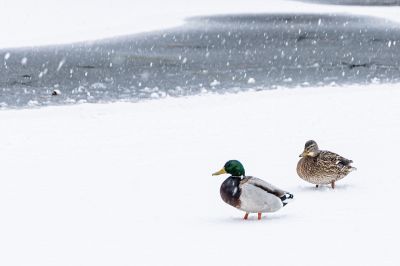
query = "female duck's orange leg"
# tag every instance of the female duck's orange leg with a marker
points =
(259, 216)
(246, 216)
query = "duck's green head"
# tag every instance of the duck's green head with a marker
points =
(233, 167)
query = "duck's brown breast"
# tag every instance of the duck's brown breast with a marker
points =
(309, 170)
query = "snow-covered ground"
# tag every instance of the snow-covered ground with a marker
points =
(131, 184)
(43, 22)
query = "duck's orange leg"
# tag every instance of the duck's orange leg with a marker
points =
(259, 216)
(246, 216)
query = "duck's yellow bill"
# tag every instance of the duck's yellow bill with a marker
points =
(220, 172)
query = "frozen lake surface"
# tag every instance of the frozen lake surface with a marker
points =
(207, 54)
(357, 2)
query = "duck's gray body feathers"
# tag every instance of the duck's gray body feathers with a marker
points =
(259, 196)
(253, 195)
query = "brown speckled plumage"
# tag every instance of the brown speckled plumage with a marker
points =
(322, 167)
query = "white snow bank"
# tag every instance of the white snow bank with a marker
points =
(131, 184)
(42, 22)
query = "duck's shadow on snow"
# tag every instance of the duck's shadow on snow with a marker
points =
(266, 218)
(323, 188)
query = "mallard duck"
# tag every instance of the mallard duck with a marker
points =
(322, 167)
(250, 194)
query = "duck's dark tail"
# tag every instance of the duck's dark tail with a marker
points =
(286, 198)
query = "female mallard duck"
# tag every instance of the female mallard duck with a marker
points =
(322, 167)
(250, 194)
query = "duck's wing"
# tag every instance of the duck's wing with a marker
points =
(333, 158)
(249, 180)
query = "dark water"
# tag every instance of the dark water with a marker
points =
(357, 2)
(217, 54)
